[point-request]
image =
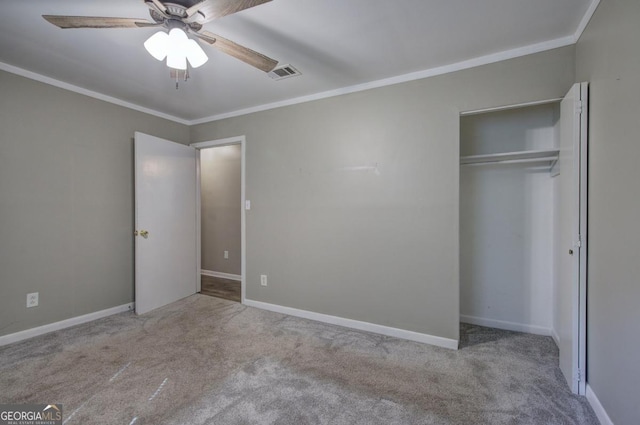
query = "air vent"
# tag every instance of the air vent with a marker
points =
(284, 71)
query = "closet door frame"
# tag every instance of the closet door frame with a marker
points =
(578, 381)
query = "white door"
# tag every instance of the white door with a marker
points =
(571, 255)
(165, 222)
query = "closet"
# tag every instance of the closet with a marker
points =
(508, 216)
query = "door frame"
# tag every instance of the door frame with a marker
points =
(237, 140)
(579, 300)
(583, 237)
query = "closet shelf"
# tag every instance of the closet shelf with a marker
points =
(520, 157)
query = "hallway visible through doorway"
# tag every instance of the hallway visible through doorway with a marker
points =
(221, 288)
(221, 218)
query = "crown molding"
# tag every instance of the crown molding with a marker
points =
(432, 72)
(81, 90)
(585, 20)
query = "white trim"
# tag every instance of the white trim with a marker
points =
(198, 223)
(221, 275)
(584, 237)
(219, 142)
(67, 323)
(356, 324)
(418, 75)
(602, 415)
(243, 223)
(585, 20)
(96, 95)
(458, 66)
(507, 107)
(509, 326)
(243, 214)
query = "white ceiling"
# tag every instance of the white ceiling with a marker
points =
(334, 43)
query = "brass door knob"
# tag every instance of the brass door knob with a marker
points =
(144, 234)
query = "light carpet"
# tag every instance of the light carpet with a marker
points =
(204, 360)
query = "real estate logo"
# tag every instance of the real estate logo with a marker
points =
(30, 414)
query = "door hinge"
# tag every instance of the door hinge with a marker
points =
(578, 375)
(578, 107)
(579, 242)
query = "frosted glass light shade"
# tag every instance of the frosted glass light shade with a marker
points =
(156, 45)
(195, 54)
(176, 55)
(177, 48)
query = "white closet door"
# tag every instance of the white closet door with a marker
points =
(165, 216)
(571, 247)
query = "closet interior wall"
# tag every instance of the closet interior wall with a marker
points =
(507, 220)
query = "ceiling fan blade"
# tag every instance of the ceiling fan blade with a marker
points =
(145, 24)
(95, 22)
(193, 9)
(210, 39)
(214, 9)
(159, 5)
(253, 58)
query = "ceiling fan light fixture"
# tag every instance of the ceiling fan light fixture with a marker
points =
(156, 45)
(177, 48)
(177, 62)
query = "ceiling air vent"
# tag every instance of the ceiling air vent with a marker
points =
(284, 71)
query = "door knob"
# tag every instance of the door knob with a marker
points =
(144, 234)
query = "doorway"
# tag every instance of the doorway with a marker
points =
(507, 187)
(167, 220)
(221, 218)
(523, 240)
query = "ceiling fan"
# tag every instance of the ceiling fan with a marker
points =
(180, 17)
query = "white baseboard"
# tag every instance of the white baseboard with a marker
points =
(597, 407)
(221, 275)
(356, 324)
(67, 323)
(509, 326)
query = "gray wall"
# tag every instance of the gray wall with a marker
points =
(380, 247)
(66, 201)
(221, 198)
(608, 56)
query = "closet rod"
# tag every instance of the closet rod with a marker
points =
(511, 157)
(550, 160)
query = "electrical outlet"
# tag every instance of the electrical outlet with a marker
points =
(263, 279)
(226, 255)
(32, 299)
